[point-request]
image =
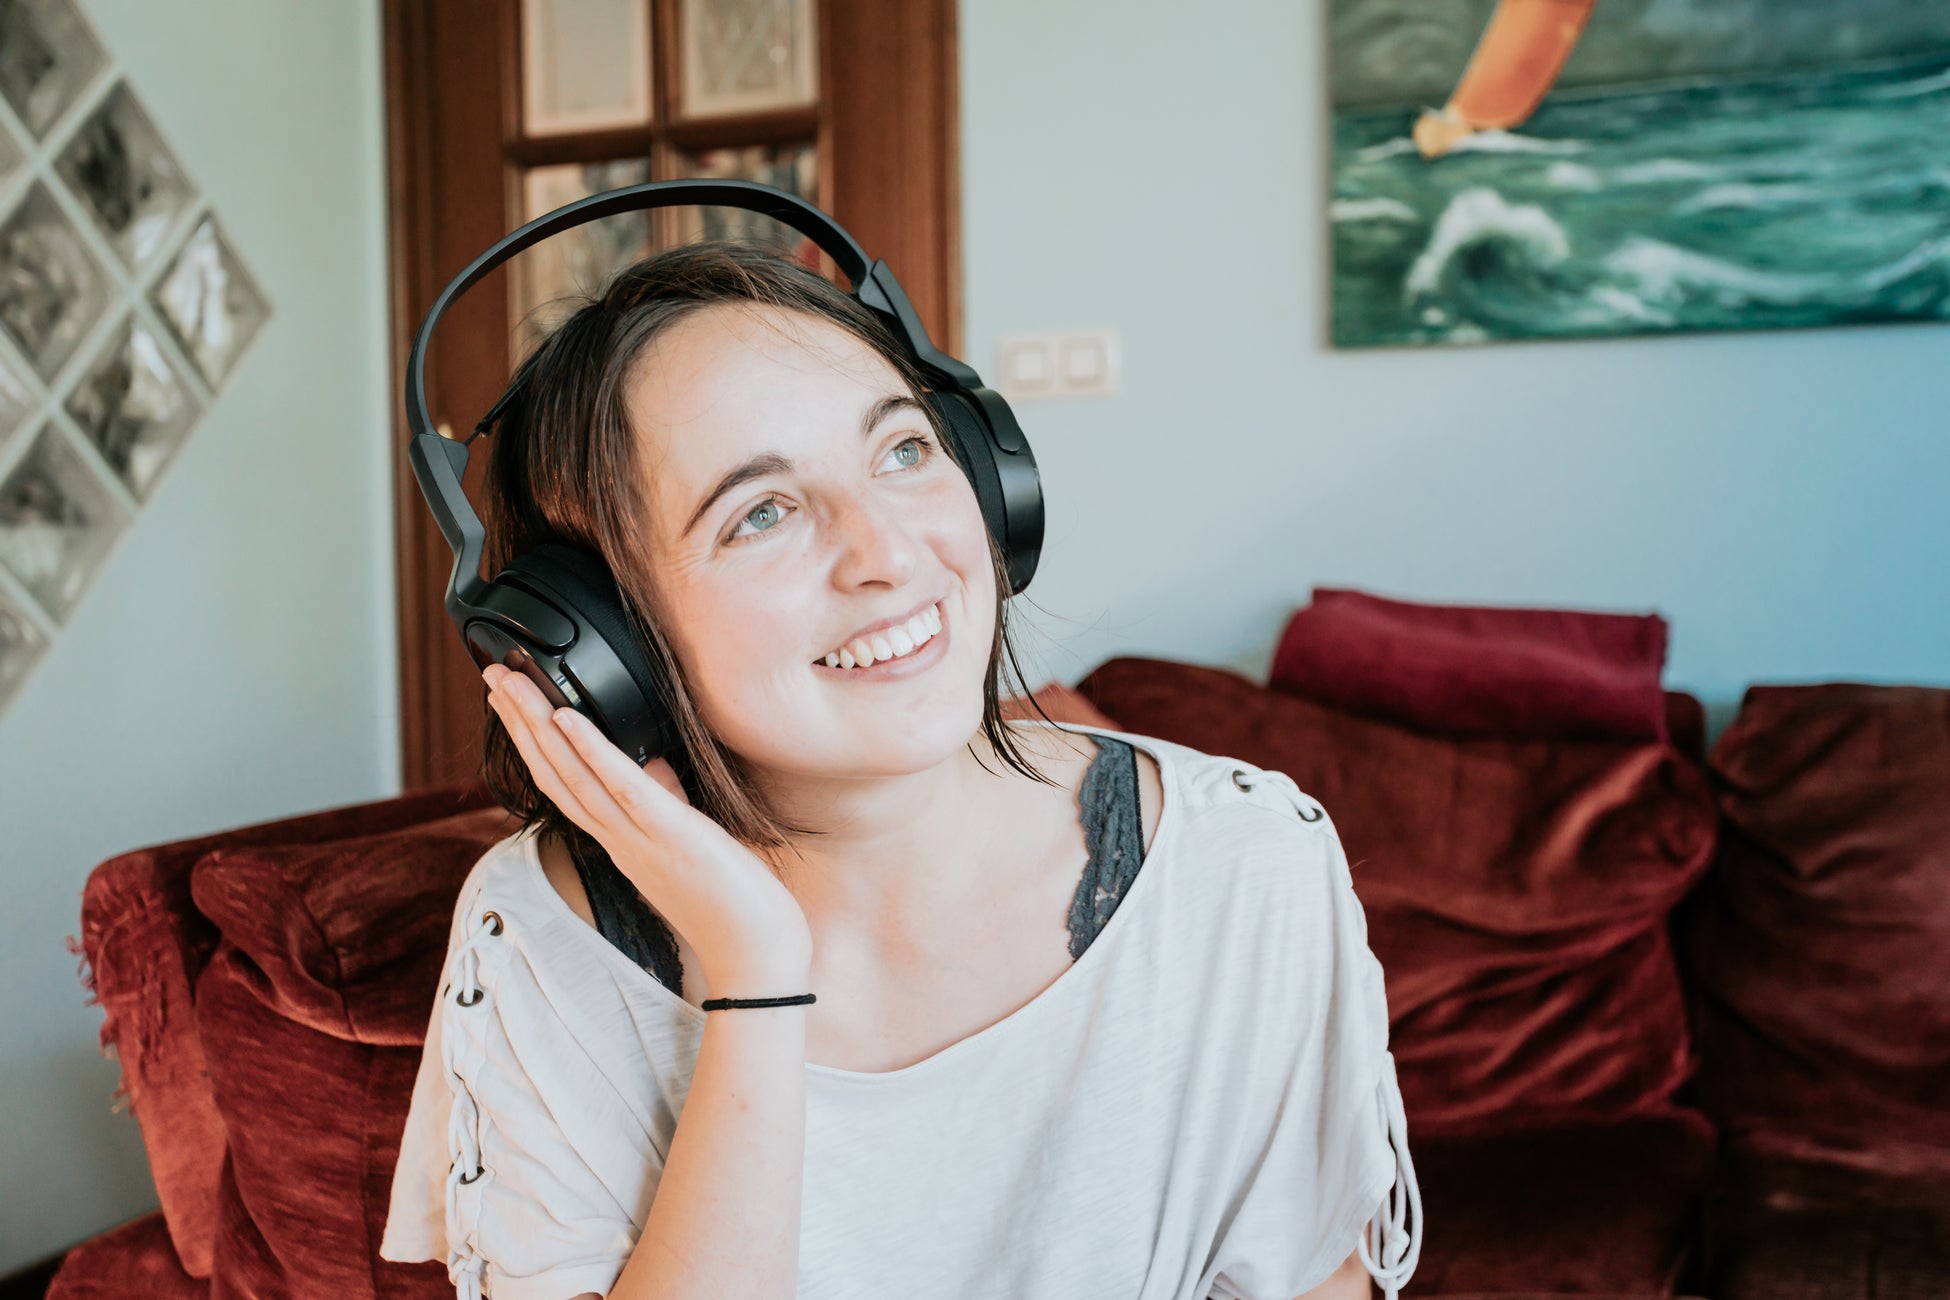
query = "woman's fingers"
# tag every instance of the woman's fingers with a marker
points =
(547, 753)
(605, 783)
(641, 796)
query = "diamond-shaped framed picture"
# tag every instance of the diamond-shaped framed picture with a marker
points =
(209, 302)
(133, 406)
(58, 521)
(53, 291)
(125, 176)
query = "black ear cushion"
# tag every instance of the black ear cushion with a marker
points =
(585, 580)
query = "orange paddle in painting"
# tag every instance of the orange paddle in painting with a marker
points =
(1515, 64)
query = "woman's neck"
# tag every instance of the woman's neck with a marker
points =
(898, 853)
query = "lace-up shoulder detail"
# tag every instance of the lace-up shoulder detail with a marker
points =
(1391, 1242)
(530, 1154)
(465, 1017)
(1271, 788)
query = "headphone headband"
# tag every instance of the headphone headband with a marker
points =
(777, 204)
(872, 283)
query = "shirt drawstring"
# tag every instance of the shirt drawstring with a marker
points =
(464, 1261)
(1397, 1241)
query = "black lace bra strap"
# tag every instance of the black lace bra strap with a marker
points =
(1113, 834)
(632, 925)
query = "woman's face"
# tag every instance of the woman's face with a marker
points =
(798, 497)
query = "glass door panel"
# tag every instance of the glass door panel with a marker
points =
(748, 56)
(585, 65)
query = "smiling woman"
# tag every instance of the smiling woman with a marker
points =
(865, 991)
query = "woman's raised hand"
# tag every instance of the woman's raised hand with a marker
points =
(746, 927)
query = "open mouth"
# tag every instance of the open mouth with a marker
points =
(891, 651)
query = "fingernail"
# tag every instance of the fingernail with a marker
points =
(565, 718)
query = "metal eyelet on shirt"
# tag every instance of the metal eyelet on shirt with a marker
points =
(466, 1001)
(493, 919)
(1307, 813)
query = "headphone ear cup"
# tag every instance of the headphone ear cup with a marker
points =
(580, 583)
(1003, 473)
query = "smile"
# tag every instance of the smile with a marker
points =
(898, 651)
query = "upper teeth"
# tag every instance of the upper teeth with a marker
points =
(888, 643)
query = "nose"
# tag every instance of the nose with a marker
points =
(875, 544)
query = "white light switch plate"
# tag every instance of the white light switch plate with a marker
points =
(1077, 363)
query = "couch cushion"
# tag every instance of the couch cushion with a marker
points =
(136, 1259)
(1516, 892)
(145, 944)
(315, 1121)
(1784, 1228)
(1478, 670)
(1820, 949)
(312, 1011)
(347, 937)
(1512, 1214)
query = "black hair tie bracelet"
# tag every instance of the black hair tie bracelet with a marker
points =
(720, 1004)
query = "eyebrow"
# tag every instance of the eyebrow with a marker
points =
(772, 462)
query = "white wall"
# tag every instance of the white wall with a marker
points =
(1161, 168)
(235, 660)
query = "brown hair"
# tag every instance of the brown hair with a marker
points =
(564, 466)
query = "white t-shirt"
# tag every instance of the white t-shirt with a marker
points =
(1202, 1105)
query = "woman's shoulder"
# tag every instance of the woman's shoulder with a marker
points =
(542, 962)
(1195, 783)
(502, 877)
(508, 893)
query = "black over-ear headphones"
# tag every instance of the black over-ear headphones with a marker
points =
(554, 613)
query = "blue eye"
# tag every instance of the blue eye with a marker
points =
(763, 507)
(923, 451)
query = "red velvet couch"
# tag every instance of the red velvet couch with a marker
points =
(1667, 1024)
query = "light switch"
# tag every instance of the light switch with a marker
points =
(1087, 363)
(1027, 365)
(1081, 363)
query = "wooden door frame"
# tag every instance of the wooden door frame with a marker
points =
(889, 133)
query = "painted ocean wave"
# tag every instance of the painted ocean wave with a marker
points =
(1937, 85)
(1507, 268)
(1370, 210)
(1813, 199)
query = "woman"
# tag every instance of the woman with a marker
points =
(1095, 1014)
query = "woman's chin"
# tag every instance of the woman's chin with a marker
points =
(913, 732)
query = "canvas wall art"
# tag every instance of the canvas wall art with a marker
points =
(1508, 169)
